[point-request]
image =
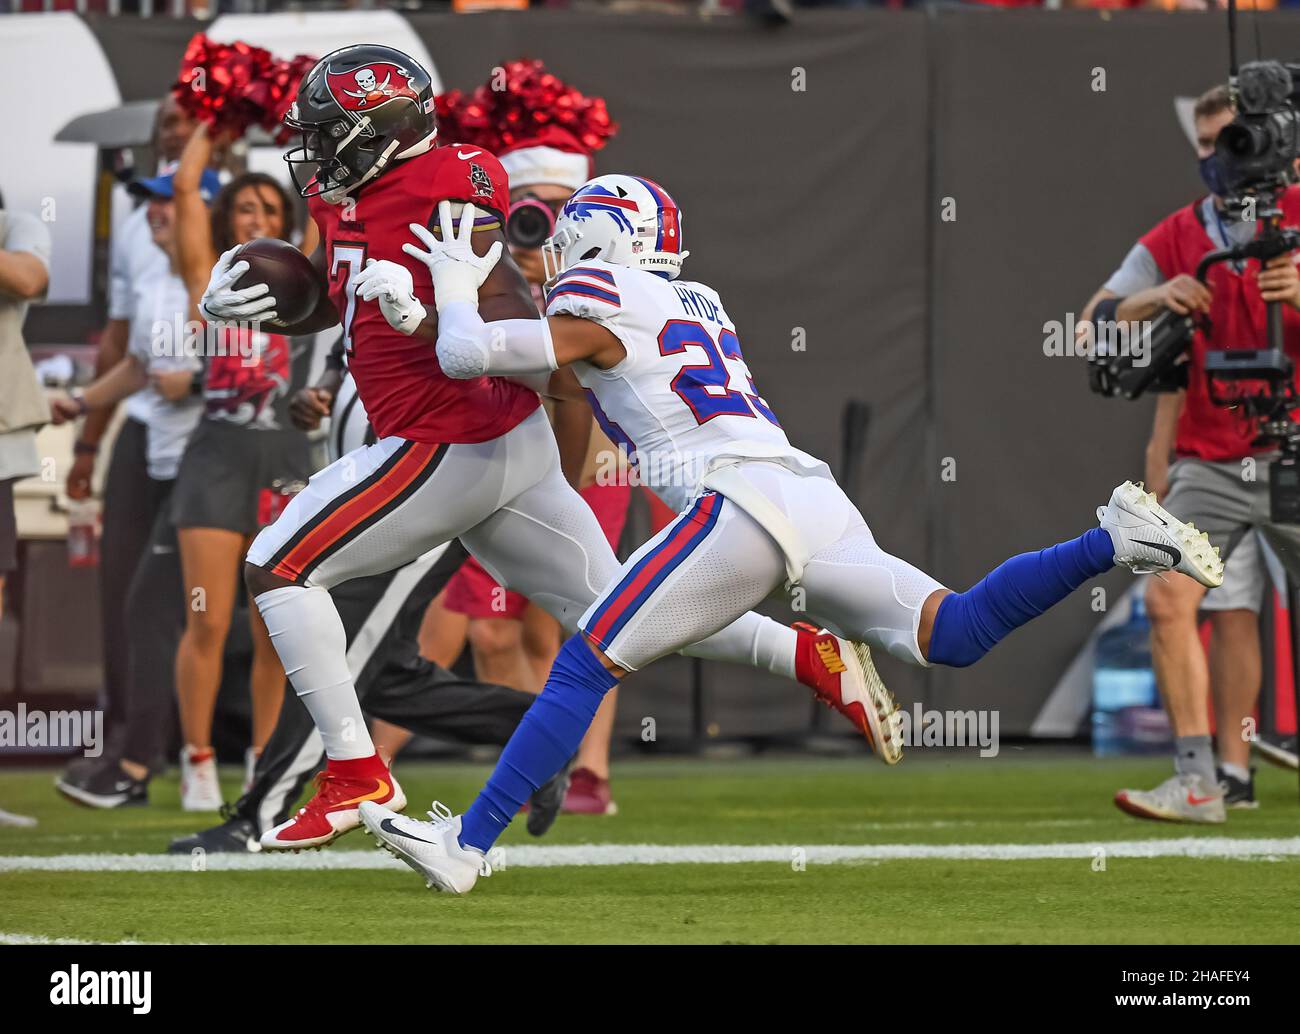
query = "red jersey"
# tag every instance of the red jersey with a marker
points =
(246, 376)
(398, 377)
(1237, 320)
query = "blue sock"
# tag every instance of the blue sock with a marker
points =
(969, 624)
(546, 738)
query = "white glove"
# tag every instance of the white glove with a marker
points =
(457, 272)
(391, 284)
(221, 302)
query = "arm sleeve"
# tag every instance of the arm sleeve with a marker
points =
(468, 347)
(28, 234)
(1136, 273)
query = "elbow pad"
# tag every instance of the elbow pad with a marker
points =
(468, 347)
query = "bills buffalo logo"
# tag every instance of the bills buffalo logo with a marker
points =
(593, 200)
(365, 89)
(480, 180)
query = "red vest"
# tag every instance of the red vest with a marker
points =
(1237, 317)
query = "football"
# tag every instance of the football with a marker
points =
(293, 280)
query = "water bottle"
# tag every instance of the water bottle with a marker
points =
(83, 533)
(1124, 687)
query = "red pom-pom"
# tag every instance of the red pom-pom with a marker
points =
(534, 106)
(232, 86)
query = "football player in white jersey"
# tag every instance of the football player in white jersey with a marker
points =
(661, 362)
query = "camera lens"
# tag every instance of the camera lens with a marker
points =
(529, 224)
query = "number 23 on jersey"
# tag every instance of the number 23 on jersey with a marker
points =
(719, 386)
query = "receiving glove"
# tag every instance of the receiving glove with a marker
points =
(221, 301)
(390, 284)
(457, 272)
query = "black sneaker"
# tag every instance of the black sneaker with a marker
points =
(236, 835)
(1278, 749)
(1237, 793)
(545, 803)
(103, 786)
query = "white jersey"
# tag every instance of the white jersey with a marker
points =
(683, 402)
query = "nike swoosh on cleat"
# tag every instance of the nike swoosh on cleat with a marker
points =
(1193, 800)
(383, 789)
(388, 826)
(1175, 557)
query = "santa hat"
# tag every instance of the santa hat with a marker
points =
(554, 156)
(542, 129)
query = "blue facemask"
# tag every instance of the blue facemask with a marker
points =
(1213, 176)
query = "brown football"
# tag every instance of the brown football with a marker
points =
(293, 280)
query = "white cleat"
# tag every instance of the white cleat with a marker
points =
(1148, 539)
(430, 848)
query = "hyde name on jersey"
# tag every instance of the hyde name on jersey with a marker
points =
(684, 395)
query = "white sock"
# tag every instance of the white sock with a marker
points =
(1236, 771)
(308, 634)
(754, 640)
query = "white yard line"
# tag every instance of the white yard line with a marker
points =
(32, 938)
(537, 856)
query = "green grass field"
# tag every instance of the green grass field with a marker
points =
(1022, 798)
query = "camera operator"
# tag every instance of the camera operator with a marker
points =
(1219, 480)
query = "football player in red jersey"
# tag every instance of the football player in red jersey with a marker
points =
(473, 459)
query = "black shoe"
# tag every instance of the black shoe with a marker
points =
(1237, 793)
(545, 803)
(79, 768)
(236, 835)
(1278, 749)
(103, 786)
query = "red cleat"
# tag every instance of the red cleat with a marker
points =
(588, 794)
(332, 811)
(842, 676)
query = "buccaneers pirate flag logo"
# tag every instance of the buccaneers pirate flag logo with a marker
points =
(367, 88)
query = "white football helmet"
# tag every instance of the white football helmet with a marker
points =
(626, 220)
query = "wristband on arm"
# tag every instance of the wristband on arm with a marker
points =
(1106, 311)
(1104, 316)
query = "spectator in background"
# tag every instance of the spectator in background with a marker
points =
(24, 278)
(131, 498)
(157, 370)
(241, 464)
(1208, 484)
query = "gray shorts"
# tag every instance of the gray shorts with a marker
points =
(1227, 500)
(225, 469)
